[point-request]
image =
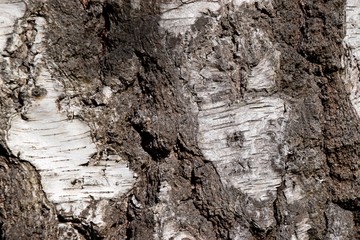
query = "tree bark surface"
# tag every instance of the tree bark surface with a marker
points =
(179, 119)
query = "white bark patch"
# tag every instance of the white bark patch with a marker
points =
(352, 43)
(242, 133)
(263, 75)
(172, 233)
(340, 222)
(10, 11)
(239, 3)
(178, 16)
(242, 139)
(135, 4)
(353, 26)
(107, 92)
(261, 4)
(168, 224)
(240, 233)
(293, 191)
(66, 231)
(301, 230)
(164, 228)
(61, 149)
(167, 227)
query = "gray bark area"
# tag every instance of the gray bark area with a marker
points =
(233, 122)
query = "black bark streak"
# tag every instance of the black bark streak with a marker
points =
(85, 229)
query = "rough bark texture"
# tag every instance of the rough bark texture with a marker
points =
(177, 120)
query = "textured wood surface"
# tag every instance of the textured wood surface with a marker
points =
(176, 119)
(61, 148)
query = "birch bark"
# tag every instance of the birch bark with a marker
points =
(174, 120)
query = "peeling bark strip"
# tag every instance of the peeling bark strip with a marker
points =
(352, 59)
(61, 148)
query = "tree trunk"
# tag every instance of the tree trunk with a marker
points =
(179, 119)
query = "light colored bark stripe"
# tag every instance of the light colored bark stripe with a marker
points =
(352, 42)
(10, 11)
(61, 148)
(178, 16)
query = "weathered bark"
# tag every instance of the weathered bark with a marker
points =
(133, 119)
